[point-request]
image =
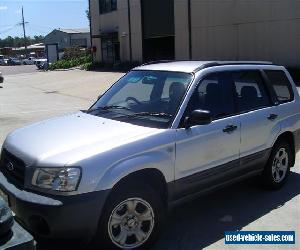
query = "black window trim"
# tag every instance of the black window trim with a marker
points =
(265, 82)
(270, 88)
(272, 96)
(289, 86)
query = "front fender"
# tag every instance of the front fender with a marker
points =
(162, 161)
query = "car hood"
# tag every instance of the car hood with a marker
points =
(54, 141)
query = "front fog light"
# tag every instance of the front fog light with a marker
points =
(58, 179)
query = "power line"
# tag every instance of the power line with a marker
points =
(42, 26)
(6, 25)
(7, 30)
(38, 30)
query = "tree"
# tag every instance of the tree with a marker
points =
(88, 15)
(19, 41)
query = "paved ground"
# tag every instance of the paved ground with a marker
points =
(200, 224)
(26, 98)
(18, 69)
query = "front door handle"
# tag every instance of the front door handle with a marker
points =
(272, 117)
(229, 128)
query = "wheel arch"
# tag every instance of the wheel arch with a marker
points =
(150, 176)
(154, 165)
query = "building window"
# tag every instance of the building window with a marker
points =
(107, 6)
(110, 47)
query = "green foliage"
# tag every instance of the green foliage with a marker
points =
(75, 52)
(87, 66)
(19, 41)
(70, 63)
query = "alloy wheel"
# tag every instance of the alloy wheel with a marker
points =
(131, 223)
(280, 165)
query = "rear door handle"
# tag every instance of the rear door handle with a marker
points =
(229, 128)
(272, 117)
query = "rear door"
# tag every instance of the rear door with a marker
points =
(258, 115)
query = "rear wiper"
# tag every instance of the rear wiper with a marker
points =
(106, 108)
(156, 114)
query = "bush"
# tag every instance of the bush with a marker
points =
(75, 52)
(87, 66)
(70, 63)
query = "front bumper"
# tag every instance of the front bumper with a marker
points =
(61, 217)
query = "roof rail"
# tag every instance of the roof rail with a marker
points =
(214, 64)
(158, 61)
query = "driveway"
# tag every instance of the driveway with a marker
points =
(18, 69)
(200, 224)
(26, 98)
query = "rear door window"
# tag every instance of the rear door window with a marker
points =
(281, 85)
(250, 90)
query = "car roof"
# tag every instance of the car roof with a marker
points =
(193, 66)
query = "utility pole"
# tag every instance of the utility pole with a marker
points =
(24, 31)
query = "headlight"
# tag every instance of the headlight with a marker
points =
(58, 179)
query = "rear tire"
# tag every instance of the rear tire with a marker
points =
(131, 219)
(278, 166)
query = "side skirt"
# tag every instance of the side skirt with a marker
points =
(191, 187)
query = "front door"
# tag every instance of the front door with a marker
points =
(205, 154)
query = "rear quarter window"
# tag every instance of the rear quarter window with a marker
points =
(281, 85)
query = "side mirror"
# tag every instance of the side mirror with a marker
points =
(198, 117)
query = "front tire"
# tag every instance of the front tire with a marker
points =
(278, 167)
(131, 219)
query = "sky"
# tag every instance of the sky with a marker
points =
(42, 16)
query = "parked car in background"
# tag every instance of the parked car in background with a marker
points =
(14, 61)
(162, 134)
(41, 63)
(2, 62)
(12, 235)
(29, 61)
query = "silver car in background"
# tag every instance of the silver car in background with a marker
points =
(164, 133)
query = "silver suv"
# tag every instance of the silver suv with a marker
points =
(164, 133)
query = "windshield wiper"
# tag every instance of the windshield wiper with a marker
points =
(155, 114)
(115, 107)
(106, 108)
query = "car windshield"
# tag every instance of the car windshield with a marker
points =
(144, 97)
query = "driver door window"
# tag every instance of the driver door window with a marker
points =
(215, 94)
